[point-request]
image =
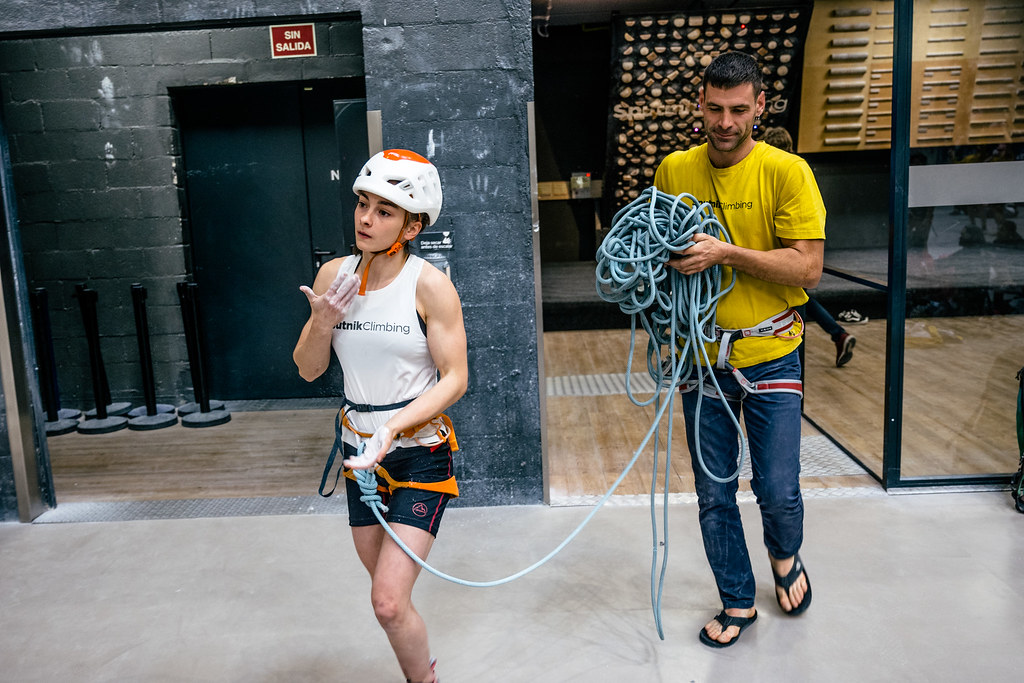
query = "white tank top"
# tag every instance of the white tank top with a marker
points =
(382, 346)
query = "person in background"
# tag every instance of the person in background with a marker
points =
(780, 137)
(395, 323)
(770, 205)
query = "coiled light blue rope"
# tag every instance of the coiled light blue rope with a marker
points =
(677, 311)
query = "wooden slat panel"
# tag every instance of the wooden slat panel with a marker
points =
(963, 55)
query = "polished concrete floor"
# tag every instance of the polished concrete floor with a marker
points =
(910, 587)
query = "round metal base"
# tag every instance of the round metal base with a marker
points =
(58, 427)
(113, 410)
(210, 419)
(104, 426)
(148, 422)
(144, 410)
(195, 407)
(68, 414)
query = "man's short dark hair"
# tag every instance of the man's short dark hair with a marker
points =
(732, 69)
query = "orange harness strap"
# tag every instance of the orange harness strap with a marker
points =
(445, 430)
(449, 485)
(395, 248)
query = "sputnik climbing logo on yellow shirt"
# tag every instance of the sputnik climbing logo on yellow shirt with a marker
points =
(730, 206)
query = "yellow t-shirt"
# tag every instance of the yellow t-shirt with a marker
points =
(769, 195)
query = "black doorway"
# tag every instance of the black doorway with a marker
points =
(267, 172)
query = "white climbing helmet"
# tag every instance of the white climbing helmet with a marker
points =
(405, 178)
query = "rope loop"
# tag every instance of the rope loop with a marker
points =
(633, 272)
(677, 311)
(367, 482)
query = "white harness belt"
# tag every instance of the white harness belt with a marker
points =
(787, 324)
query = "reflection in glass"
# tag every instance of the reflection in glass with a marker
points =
(847, 402)
(965, 326)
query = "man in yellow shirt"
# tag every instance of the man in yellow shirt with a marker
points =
(771, 207)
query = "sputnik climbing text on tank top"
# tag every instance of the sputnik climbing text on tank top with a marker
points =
(372, 326)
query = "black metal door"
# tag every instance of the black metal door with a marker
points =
(258, 174)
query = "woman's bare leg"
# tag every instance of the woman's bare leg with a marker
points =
(394, 575)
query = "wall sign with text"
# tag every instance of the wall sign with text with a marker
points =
(297, 40)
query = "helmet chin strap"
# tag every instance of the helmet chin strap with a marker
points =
(394, 249)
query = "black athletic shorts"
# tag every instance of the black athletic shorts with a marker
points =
(414, 507)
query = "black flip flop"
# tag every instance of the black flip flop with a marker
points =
(726, 621)
(785, 582)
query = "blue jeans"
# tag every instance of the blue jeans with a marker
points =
(772, 424)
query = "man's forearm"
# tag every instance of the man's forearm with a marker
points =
(787, 265)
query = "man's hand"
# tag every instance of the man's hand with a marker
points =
(705, 252)
(330, 307)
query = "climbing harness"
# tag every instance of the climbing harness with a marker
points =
(444, 430)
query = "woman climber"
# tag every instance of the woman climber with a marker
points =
(395, 323)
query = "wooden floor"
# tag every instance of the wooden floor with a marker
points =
(959, 419)
(275, 453)
(592, 438)
(960, 393)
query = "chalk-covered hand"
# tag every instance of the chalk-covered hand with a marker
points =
(332, 306)
(376, 448)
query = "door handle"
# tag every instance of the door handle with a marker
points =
(318, 257)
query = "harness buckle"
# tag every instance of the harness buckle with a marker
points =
(786, 325)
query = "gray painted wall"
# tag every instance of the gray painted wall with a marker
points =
(96, 166)
(95, 174)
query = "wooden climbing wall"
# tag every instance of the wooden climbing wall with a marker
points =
(967, 87)
(657, 65)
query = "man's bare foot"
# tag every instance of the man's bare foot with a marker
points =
(792, 587)
(725, 636)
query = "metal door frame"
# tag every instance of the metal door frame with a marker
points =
(30, 457)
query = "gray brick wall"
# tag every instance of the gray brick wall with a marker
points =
(95, 157)
(456, 87)
(95, 153)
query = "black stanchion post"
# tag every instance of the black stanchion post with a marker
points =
(190, 339)
(152, 415)
(57, 421)
(204, 412)
(103, 422)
